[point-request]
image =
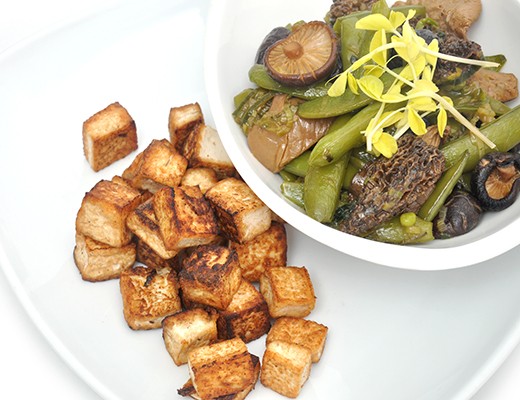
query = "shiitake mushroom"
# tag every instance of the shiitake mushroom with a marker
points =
(308, 55)
(495, 181)
(272, 37)
(460, 214)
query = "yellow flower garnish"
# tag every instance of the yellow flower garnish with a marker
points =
(413, 85)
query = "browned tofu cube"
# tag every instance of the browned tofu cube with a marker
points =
(202, 177)
(221, 369)
(203, 148)
(189, 390)
(185, 217)
(269, 249)
(98, 261)
(143, 223)
(188, 330)
(288, 291)
(210, 276)
(242, 215)
(247, 316)
(300, 331)
(108, 136)
(285, 367)
(104, 210)
(183, 121)
(160, 165)
(149, 296)
(147, 256)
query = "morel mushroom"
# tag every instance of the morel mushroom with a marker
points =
(308, 55)
(460, 214)
(495, 181)
(390, 187)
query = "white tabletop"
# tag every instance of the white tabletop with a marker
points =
(29, 367)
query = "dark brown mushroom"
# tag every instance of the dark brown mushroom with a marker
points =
(308, 55)
(460, 214)
(272, 37)
(495, 181)
(390, 187)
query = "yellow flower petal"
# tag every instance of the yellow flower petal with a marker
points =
(386, 145)
(411, 14)
(396, 19)
(374, 22)
(352, 84)
(422, 103)
(378, 40)
(338, 87)
(371, 86)
(417, 125)
(375, 70)
(433, 46)
(442, 121)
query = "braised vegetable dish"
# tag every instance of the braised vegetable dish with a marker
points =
(386, 121)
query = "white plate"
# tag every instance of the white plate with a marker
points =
(231, 48)
(394, 334)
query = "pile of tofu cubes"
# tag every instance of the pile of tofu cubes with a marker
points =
(198, 255)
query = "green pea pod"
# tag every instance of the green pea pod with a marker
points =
(258, 75)
(345, 134)
(443, 188)
(351, 39)
(299, 165)
(504, 132)
(327, 106)
(396, 233)
(321, 189)
(293, 191)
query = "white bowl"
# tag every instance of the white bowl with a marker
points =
(235, 30)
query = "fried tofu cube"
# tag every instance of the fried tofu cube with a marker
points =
(210, 276)
(221, 369)
(300, 331)
(202, 177)
(285, 367)
(288, 291)
(143, 223)
(188, 330)
(185, 217)
(246, 317)
(149, 296)
(98, 261)
(203, 148)
(160, 165)
(189, 390)
(182, 121)
(269, 249)
(104, 210)
(242, 215)
(108, 136)
(147, 256)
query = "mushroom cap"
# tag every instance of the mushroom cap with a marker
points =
(306, 56)
(496, 180)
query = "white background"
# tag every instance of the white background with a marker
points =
(29, 367)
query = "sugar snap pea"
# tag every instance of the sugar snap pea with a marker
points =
(293, 191)
(443, 188)
(300, 165)
(321, 189)
(395, 232)
(258, 75)
(345, 134)
(504, 132)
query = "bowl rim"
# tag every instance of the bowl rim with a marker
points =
(412, 257)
